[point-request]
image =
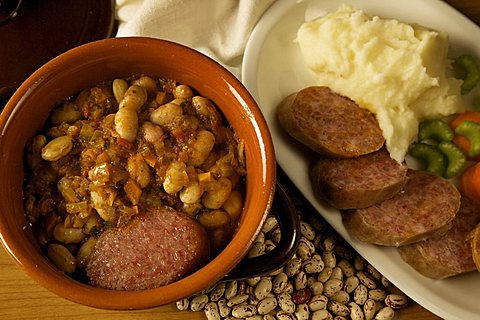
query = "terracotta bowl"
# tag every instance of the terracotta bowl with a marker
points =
(27, 111)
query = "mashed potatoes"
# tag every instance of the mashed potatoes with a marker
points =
(395, 70)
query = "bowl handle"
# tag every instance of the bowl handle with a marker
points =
(289, 221)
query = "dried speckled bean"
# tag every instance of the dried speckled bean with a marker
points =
(318, 302)
(338, 308)
(285, 302)
(322, 315)
(283, 315)
(366, 279)
(332, 286)
(350, 284)
(223, 308)
(263, 288)
(293, 266)
(325, 274)
(183, 304)
(231, 289)
(243, 311)
(300, 280)
(198, 302)
(279, 283)
(307, 230)
(217, 292)
(369, 309)
(341, 296)
(316, 287)
(267, 305)
(396, 301)
(385, 313)
(238, 299)
(211, 311)
(377, 294)
(302, 312)
(360, 294)
(307, 287)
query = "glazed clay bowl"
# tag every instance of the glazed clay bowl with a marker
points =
(25, 115)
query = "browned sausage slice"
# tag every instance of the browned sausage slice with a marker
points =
(330, 124)
(474, 241)
(153, 250)
(425, 207)
(358, 182)
(446, 255)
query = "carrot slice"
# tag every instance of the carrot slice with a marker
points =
(466, 116)
(470, 183)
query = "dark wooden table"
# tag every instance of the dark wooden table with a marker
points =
(22, 298)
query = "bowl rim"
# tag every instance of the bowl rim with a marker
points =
(64, 286)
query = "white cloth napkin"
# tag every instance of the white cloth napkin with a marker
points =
(217, 28)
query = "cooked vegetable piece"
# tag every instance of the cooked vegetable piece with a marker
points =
(469, 71)
(467, 115)
(471, 130)
(437, 130)
(433, 159)
(470, 183)
(464, 145)
(456, 159)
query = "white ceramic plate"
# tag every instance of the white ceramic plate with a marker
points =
(273, 68)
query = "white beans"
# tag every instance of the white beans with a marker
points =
(217, 193)
(62, 258)
(57, 148)
(165, 114)
(120, 146)
(134, 98)
(200, 150)
(126, 123)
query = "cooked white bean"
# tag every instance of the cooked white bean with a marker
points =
(126, 124)
(176, 177)
(119, 87)
(68, 235)
(68, 113)
(165, 114)
(183, 91)
(57, 148)
(134, 98)
(86, 249)
(216, 193)
(234, 204)
(61, 257)
(213, 219)
(148, 83)
(139, 170)
(151, 132)
(201, 148)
